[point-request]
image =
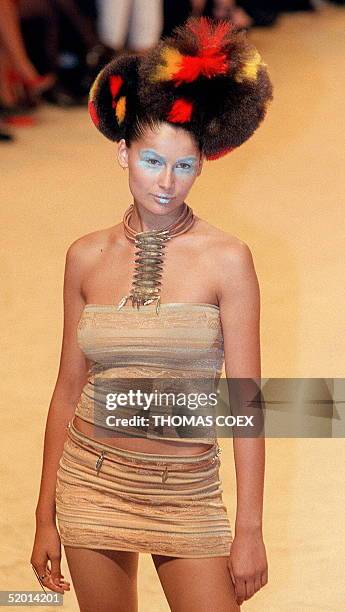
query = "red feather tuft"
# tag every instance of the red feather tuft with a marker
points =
(209, 34)
(181, 111)
(93, 113)
(211, 60)
(209, 64)
(115, 83)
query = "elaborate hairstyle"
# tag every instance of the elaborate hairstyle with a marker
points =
(206, 78)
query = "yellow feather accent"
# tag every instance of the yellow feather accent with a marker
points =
(120, 110)
(250, 68)
(172, 59)
(95, 85)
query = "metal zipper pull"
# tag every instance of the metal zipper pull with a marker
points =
(216, 457)
(165, 474)
(99, 462)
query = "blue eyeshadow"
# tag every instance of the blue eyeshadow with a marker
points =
(149, 154)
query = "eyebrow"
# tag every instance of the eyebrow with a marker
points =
(190, 158)
(151, 152)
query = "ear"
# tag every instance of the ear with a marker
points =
(122, 153)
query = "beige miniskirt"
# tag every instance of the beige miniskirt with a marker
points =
(111, 498)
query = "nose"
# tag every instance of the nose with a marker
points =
(166, 179)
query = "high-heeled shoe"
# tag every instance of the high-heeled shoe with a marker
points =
(34, 86)
(40, 84)
(20, 121)
(17, 115)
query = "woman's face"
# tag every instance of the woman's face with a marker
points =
(162, 167)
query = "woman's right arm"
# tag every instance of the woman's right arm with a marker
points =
(72, 376)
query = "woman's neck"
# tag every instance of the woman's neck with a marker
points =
(144, 221)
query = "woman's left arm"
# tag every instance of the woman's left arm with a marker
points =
(239, 300)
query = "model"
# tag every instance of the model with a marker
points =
(156, 303)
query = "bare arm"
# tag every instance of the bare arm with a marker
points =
(71, 378)
(240, 315)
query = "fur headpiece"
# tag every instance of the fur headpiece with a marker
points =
(206, 78)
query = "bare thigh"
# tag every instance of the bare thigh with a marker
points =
(104, 579)
(196, 585)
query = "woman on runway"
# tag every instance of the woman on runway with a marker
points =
(157, 302)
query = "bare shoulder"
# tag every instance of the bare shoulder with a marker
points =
(224, 248)
(86, 249)
(230, 260)
(85, 252)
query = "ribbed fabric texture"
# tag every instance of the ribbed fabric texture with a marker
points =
(161, 504)
(168, 352)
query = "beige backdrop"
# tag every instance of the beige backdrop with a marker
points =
(281, 193)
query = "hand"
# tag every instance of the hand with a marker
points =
(47, 547)
(248, 564)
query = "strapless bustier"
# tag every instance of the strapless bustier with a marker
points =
(167, 352)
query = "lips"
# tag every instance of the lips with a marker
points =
(162, 199)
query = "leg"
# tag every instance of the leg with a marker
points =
(196, 585)
(8, 95)
(104, 579)
(12, 41)
(113, 22)
(145, 26)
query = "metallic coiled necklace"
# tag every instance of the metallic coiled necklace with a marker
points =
(149, 257)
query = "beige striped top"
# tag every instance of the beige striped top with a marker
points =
(176, 357)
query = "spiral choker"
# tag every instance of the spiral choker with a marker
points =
(149, 257)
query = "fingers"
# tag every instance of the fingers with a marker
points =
(245, 588)
(55, 577)
(46, 579)
(264, 577)
(257, 583)
(240, 590)
(55, 571)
